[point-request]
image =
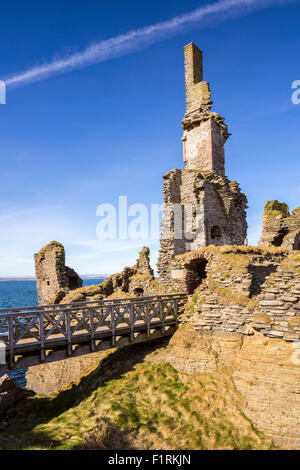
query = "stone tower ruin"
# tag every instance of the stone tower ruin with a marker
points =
(54, 279)
(202, 207)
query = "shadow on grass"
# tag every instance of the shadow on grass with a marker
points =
(104, 436)
(37, 410)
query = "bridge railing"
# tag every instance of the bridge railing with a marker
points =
(31, 329)
(38, 308)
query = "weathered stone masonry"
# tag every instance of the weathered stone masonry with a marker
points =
(239, 290)
(280, 228)
(54, 278)
(212, 209)
(57, 283)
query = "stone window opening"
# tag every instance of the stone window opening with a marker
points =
(48, 283)
(215, 232)
(196, 273)
(138, 291)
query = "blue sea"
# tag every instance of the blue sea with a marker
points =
(24, 294)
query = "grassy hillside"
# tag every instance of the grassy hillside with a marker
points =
(128, 402)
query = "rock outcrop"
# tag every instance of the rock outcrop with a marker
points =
(54, 279)
(46, 379)
(262, 369)
(10, 394)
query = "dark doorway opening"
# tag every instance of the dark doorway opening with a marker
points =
(73, 283)
(279, 238)
(196, 274)
(296, 245)
(216, 232)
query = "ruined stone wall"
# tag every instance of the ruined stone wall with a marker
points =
(244, 292)
(225, 212)
(212, 211)
(54, 278)
(280, 302)
(243, 269)
(137, 280)
(280, 228)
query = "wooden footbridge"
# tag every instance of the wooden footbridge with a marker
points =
(34, 335)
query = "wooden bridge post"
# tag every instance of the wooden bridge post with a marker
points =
(131, 322)
(162, 317)
(42, 335)
(176, 311)
(11, 340)
(148, 319)
(69, 336)
(92, 332)
(113, 326)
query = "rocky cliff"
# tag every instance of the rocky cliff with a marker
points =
(265, 371)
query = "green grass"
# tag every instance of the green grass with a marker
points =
(128, 404)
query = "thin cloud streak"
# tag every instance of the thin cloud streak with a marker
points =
(139, 39)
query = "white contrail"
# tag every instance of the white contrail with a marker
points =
(137, 39)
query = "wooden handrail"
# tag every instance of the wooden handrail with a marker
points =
(54, 327)
(39, 308)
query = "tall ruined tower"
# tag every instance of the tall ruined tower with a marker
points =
(54, 279)
(204, 132)
(202, 207)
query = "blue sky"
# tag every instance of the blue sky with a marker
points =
(75, 140)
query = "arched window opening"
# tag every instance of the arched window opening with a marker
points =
(215, 232)
(138, 291)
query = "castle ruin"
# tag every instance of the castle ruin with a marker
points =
(202, 207)
(280, 228)
(243, 308)
(54, 278)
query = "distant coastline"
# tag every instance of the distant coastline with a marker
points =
(84, 276)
